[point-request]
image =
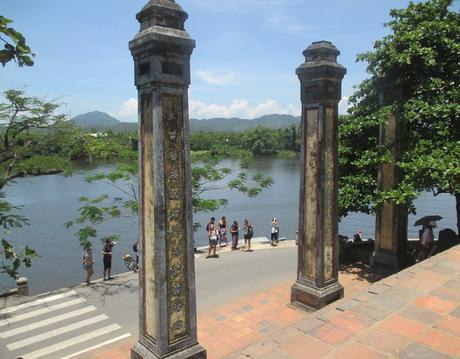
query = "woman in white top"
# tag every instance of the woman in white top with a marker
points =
(274, 239)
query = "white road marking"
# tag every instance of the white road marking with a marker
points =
(37, 302)
(38, 312)
(121, 337)
(56, 332)
(58, 318)
(68, 343)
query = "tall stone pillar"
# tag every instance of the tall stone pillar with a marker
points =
(161, 52)
(391, 219)
(317, 274)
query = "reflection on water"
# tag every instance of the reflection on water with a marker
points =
(50, 201)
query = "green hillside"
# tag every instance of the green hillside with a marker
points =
(102, 121)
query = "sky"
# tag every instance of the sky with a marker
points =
(243, 66)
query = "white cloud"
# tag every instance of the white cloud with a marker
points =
(128, 111)
(344, 105)
(216, 78)
(239, 108)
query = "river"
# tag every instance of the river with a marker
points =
(50, 201)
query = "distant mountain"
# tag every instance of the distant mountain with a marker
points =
(96, 119)
(238, 124)
(102, 121)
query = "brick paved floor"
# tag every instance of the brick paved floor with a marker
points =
(413, 314)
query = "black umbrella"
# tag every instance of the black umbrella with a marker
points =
(426, 220)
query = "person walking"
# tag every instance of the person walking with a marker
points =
(136, 252)
(426, 241)
(275, 230)
(107, 258)
(248, 233)
(234, 229)
(88, 263)
(222, 226)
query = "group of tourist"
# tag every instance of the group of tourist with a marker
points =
(88, 260)
(217, 234)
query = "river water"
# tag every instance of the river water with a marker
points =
(50, 201)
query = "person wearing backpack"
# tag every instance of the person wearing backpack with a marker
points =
(248, 234)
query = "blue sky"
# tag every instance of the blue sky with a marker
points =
(243, 66)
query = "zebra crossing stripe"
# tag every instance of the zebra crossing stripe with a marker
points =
(68, 343)
(38, 312)
(42, 323)
(121, 337)
(56, 332)
(37, 302)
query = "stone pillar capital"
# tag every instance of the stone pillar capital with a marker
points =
(321, 75)
(388, 92)
(162, 48)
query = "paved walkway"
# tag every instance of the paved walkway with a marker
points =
(413, 314)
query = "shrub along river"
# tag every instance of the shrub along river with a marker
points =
(50, 201)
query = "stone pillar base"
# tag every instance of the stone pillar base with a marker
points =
(308, 298)
(388, 261)
(140, 351)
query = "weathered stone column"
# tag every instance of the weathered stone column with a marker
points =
(161, 52)
(391, 219)
(317, 274)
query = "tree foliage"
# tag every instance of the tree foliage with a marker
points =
(15, 47)
(20, 153)
(207, 176)
(420, 58)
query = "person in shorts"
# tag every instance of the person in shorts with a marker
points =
(213, 236)
(234, 230)
(107, 258)
(88, 263)
(275, 230)
(248, 234)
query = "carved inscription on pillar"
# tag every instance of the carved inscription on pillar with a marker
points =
(176, 224)
(147, 210)
(311, 162)
(329, 193)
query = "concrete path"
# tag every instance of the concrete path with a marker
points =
(56, 326)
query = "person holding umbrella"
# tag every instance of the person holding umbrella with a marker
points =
(426, 236)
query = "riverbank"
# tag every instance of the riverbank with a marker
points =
(60, 262)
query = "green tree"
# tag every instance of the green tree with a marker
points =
(420, 57)
(261, 141)
(15, 47)
(12, 258)
(18, 155)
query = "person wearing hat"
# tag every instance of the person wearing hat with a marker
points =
(426, 241)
